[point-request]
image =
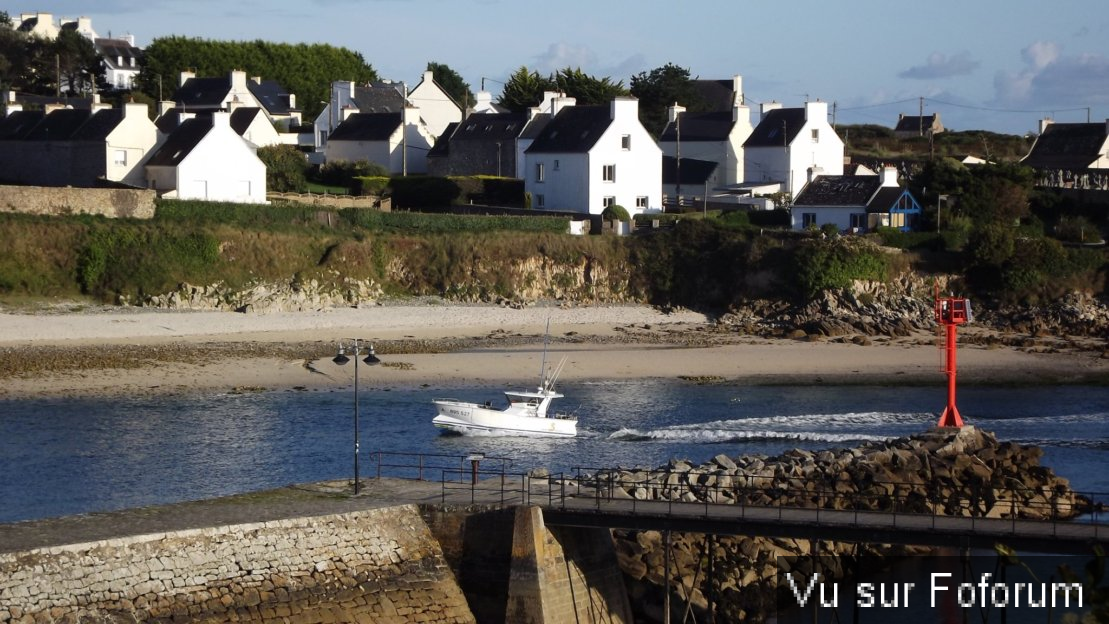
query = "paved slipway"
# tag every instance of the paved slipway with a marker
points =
(293, 501)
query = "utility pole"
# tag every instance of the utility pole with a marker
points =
(921, 117)
(58, 73)
(678, 160)
(404, 132)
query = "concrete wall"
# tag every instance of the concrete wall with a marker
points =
(133, 203)
(563, 575)
(380, 565)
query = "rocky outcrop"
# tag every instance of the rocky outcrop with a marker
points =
(963, 472)
(265, 297)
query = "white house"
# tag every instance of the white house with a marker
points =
(591, 157)
(398, 141)
(204, 158)
(252, 124)
(713, 137)
(437, 108)
(791, 146)
(196, 95)
(121, 61)
(379, 97)
(856, 203)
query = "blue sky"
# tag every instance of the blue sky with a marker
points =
(996, 65)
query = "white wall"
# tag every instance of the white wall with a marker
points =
(136, 136)
(222, 167)
(435, 106)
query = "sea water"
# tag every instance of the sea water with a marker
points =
(62, 456)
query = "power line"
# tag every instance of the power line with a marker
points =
(1008, 110)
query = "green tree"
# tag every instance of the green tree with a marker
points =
(286, 168)
(305, 70)
(78, 64)
(588, 90)
(524, 89)
(660, 88)
(615, 212)
(452, 83)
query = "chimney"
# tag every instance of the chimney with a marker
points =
(624, 108)
(234, 104)
(815, 171)
(97, 105)
(238, 80)
(737, 90)
(429, 77)
(256, 79)
(292, 100)
(164, 107)
(53, 106)
(766, 107)
(560, 102)
(1044, 123)
(673, 111)
(484, 99)
(186, 76)
(816, 111)
(889, 176)
(221, 119)
(346, 112)
(135, 109)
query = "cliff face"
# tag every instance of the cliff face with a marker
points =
(964, 472)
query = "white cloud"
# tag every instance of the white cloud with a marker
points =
(939, 65)
(1052, 79)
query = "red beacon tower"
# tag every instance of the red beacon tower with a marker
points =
(951, 312)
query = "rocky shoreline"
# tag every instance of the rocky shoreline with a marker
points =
(954, 472)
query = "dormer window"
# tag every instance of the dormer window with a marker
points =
(626, 142)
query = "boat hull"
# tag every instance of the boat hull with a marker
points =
(471, 419)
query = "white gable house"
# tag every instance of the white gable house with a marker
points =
(437, 108)
(204, 158)
(791, 146)
(591, 157)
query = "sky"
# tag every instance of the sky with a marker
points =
(998, 65)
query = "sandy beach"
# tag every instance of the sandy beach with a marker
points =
(129, 350)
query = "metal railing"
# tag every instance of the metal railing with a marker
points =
(428, 466)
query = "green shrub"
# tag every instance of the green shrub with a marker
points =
(117, 258)
(286, 168)
(893, 237)
(195, 212)
(826, 265)
(615, 212)
(447, 223)
(344, 173)
(372, 185)
(424, 192)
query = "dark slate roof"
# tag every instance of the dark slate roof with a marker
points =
(99, 125)
(1067, 146)
(18, 124)
(180, 142)
(379, 97)
(913, 123)
(491, 127)
(203, 92)
(839, 190)
(367, 127)
(442, 144)
(242, 117)
(536, 126)
(575, 129)
(694, 172)
(59, 125)
(113, 49)
(884, 199)
(775, 124)
(271, 95)
(715, 126)
(167, 122)
(715, 94)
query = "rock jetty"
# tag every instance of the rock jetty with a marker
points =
(963, 472)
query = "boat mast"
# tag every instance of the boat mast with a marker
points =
(543, 362)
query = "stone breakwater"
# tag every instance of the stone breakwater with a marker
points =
(964, 472)
(380, 565)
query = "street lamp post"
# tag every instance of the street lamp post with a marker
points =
(356, 349)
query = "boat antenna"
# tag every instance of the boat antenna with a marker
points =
(543, 363)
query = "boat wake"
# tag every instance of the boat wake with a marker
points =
(831, 428)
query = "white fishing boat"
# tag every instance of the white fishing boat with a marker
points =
(527, 413)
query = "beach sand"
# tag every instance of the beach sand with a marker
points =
(201, 350)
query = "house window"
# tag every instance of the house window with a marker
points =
(540, 174)
(608, 174)
(641, 202)
(540, 201)
(626, 142)
(556, 164)
(808, 219)
(858, 222)
(120, 157)
(610, 201)
(816, 135)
